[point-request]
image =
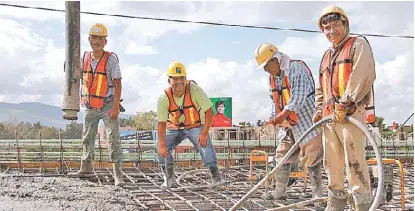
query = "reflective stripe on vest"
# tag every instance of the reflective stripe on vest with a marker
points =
(334, 75)
(95, 83)
(188, 109)
(286, 93)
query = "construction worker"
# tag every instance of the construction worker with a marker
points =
(292, 99)
(101, 92)
(347, 74)
(184, 111)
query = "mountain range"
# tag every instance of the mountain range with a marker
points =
(32, 112)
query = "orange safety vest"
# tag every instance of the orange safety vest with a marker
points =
(188, 109)
(334, 75)
(285, 94)
(95, 83)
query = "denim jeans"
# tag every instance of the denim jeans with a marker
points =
(175, 137)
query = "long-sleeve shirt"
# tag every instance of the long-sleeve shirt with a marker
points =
(359, 87)
(301, 101)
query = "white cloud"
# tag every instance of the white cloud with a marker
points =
(283, 14)
(133, 48)
(394, 88)
(243, 82)
(248, 87)
(140, 87)
(305, 48)
(32, 67)
(16, 37)
(31, 14)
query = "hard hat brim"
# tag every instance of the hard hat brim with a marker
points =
(261, 66)
(175, 75)
(100, 35)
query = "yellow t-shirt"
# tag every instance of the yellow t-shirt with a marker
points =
(198, 96)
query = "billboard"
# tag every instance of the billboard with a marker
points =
(142, 135)
(222, 109)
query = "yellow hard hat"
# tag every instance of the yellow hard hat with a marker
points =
(98, 30)
(263, 53)
(329, 10)
(176, 69)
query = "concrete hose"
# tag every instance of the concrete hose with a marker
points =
(326, 120)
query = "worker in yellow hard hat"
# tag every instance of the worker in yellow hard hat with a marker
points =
(101, 92)
(292, 99)
(184, 111)
(347, 75)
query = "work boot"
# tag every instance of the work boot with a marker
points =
(336, 200)
(316, 184)
(169, 176)
(214, 175)
(363, 207)
(118, 174)
(362, 202)
(281, 181)
(86, 168)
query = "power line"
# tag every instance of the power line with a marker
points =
(203, 22)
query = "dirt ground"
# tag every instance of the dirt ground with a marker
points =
(59, 193)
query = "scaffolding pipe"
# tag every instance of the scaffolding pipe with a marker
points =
(70, 106)
(41, 152)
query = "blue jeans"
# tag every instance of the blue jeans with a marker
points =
(175, 137)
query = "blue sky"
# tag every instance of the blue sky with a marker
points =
(219, 58)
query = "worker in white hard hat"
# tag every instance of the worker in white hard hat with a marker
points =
(347, 75)
(292, 99)
(101, 92)
(184, 111)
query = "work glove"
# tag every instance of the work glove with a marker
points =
(340, 113)
(285, 124)
(317, 117)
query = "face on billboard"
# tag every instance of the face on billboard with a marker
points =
(222, 108)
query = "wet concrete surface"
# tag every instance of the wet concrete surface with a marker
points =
(60, 193)
(46, 191)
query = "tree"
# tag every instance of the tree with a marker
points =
(73, 131)
(261, 123)
(127, 122)
(37, 125)
(245, 123)
(3, 131)
(144, 120)
(49, 132)
(379, 123)
(26, 130)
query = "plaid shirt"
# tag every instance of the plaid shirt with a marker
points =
(301, 85)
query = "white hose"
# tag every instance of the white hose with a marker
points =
(326, 120)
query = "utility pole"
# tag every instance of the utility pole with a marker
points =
(72, 69)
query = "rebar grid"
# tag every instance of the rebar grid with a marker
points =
(144, 185)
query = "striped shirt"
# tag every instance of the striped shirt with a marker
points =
(301, 85)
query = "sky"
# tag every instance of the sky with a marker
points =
(220, 59)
